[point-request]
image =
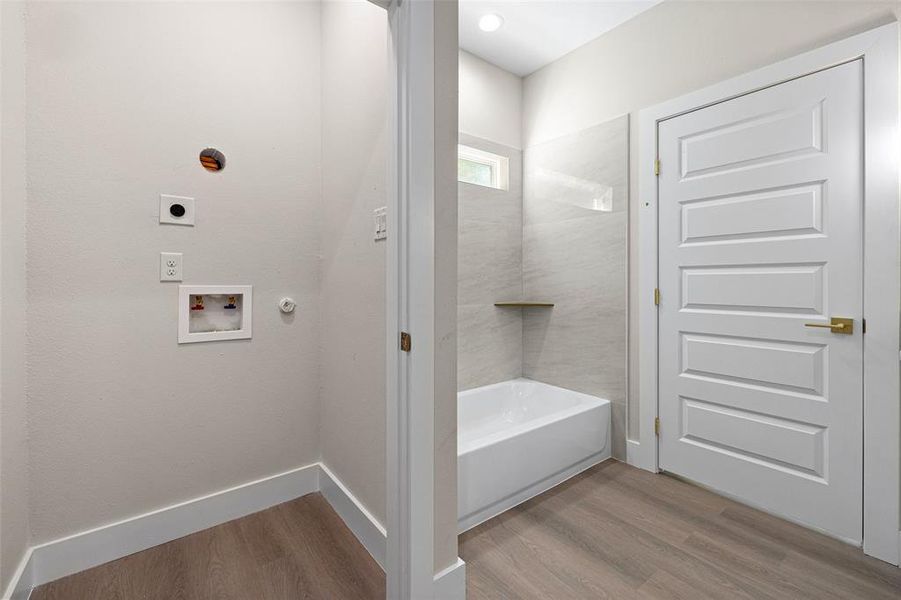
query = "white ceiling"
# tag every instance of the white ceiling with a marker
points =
(538, 32)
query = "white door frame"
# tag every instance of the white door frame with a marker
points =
(882, 278)
(421, 293)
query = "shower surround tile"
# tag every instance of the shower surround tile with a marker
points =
(489, 347)
(575, 225)
(577, 175)
(490, 265)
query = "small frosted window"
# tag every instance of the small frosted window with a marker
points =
(470, 171)
(482, 168)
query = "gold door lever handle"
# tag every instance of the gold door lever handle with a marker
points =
(836, 325)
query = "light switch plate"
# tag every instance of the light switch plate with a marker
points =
(170, 266)
(381, 223)
(176, 210)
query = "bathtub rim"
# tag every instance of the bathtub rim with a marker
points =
(585, 402)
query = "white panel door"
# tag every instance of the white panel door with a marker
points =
(760, 235)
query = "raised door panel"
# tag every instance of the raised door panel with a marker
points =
(760, 235)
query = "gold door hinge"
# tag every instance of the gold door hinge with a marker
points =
(656, 296)
(657, 167)
(406, 342)
(657, 426)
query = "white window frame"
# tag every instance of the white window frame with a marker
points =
(499, 165)
(878, 48)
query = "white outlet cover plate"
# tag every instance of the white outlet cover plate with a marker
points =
(167, 218)
(171, 264)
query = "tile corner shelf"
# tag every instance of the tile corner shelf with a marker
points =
(524, 304)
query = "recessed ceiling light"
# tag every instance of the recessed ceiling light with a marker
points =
(491, 22)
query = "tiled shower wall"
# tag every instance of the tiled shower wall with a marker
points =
(575, 225)
(557, 235)
(489, 339)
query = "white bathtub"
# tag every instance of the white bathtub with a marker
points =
(519, 438)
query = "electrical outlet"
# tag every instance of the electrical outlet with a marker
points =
(170, 266)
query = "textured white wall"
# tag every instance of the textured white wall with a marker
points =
(672, 49)
(14, 536)
(354, 147)
(121, 98)
(490, 102)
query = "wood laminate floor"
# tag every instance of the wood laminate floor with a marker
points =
(613, 532)
(300, 549)
(621, 533)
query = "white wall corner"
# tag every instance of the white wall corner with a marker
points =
(22, 581)
(360, 521)
(450, 584)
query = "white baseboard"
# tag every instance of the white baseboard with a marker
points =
(74, 553)
(22, 582)
(633, 452)
(364, 526)
(450, 584)
(65, 556)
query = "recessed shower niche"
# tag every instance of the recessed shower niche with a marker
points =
(209, 313)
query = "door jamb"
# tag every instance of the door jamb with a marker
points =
(882, 265)
(421, 280)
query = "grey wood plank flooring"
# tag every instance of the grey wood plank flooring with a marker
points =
(613, 532)
(621, 533)
(296, 550)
